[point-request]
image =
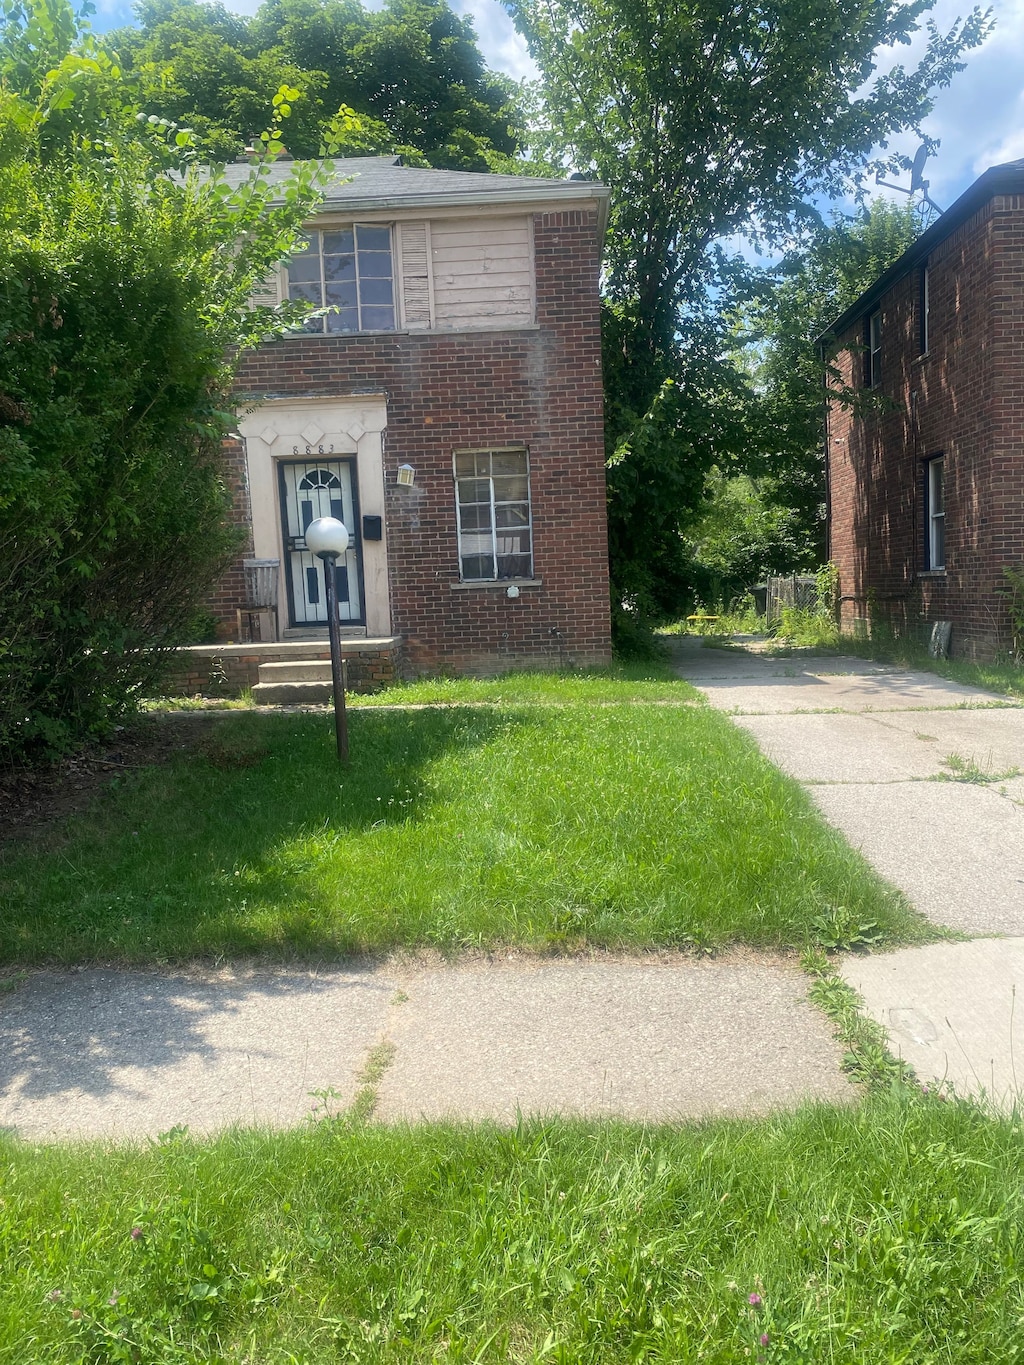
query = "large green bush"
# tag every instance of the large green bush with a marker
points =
(124, 295)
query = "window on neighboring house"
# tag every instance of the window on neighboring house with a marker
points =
(492, 496)
(923, 311)
(873, 351)
(348, 271)
(935, 513)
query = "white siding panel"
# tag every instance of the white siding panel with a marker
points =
(483, 272)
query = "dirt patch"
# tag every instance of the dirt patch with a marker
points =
(34, 798)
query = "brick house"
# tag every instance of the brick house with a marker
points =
(448, 410)
(926, 492)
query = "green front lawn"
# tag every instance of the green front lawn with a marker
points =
(885, 1233)
(625, 825)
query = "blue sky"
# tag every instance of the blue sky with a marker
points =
(979, 119)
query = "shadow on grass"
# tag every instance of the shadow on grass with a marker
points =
(218, 851)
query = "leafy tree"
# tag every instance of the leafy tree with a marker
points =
(710, 119)
(769, 518)
(411, 71)
(125, 292)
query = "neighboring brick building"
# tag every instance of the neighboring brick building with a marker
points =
(465, 346)
(926, 495)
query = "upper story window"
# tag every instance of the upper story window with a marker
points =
(492, 496)
(935, 513)
(923, 304)
(873, 351)
(350, 272)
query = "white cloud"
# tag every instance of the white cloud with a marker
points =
(503, 48)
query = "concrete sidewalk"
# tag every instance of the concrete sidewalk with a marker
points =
(883, 751)
(129, 1054)
(926, 778)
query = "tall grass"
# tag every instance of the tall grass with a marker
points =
(622, 826)
(885, 1233)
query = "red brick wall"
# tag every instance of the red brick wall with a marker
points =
(964, 400)
(219, 671)
(539, 387)
(230, 591)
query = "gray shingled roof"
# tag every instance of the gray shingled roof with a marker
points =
(380, 182)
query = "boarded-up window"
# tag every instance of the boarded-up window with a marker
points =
(483, 272)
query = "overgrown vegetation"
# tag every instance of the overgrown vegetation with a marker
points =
(1013, 591)
(886, 1231)
(125, 293)
(711, 123)
(627, 825)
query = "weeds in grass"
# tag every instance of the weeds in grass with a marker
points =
(738, 618)
(640, 681)
(963, 769)
(867, 1058)
(807, 628)
(838, 930)
(1013, 591)
(882, 1231)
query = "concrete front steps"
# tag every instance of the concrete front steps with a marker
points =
(291, 684)
(307, 681)
(284, 672)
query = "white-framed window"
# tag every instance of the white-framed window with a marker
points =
(492, 500)
(935, 512)
(350, 272)
(924, 306)
(873, 357)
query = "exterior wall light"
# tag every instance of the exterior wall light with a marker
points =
(327, 538)
(406, 475)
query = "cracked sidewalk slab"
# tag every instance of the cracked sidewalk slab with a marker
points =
(951, 1010)
(130, 1054)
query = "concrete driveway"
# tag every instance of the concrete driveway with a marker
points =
(926, 778)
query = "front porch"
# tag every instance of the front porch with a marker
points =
(226, 670)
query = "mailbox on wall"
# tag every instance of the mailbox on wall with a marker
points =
(373, 528)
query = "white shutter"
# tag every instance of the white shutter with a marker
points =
(414, 273)
(270, 292)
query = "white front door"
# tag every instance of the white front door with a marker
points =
(312, 488)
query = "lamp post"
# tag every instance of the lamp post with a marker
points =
(327, 538)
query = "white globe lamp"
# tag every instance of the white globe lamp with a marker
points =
(327, 538)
